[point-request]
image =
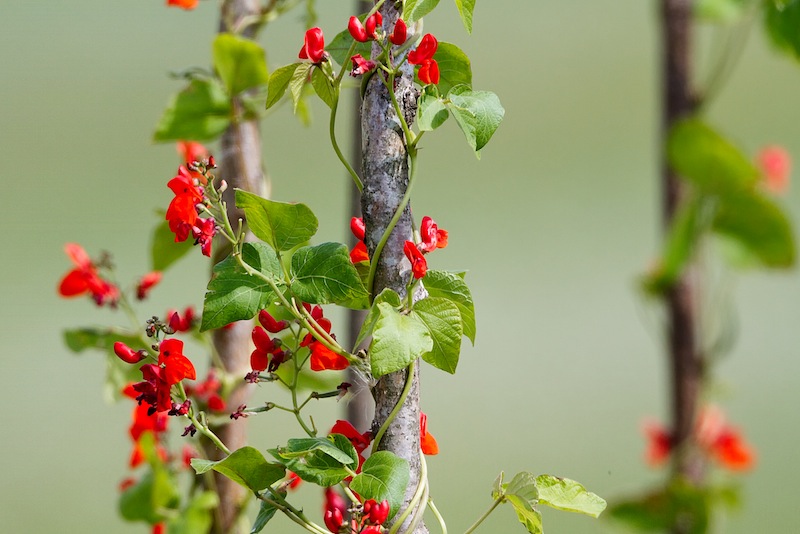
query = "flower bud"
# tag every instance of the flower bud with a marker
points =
(400, 33)
(127, 354)
(357, 30)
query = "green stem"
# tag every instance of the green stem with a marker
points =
(295, 515)
(438, 515)
(397, 407)
(482, 518)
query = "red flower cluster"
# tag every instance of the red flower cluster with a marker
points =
(334, 510)
(713, 435)
(322, 358)
(183, 4)
(775, 165)
(172, 367)
(313, 46)
(84, 278)
(423, 56)
(432, 238)
(182, 211)
(359, 252)
(144, 421)
(266, 347)
(207, 392)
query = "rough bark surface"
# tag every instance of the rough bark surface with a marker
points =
(240, 166)
(385, 169)
(686, 366)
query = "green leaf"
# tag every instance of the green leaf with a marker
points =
(233, 294)
(530, 518)
(317, 466)
(452, 287)
(323, 87)
(707, 160)
(568, 495)
(278, 82)
(283, 225)
(239, 62)
(368, 326)
(443, 321)
(152, 499)
(679, 246)
(416, 9)
(197, 517)
(782, 20)
(298, 81)
(478, 114)
(397, 340)
(164, 251)
(719, 11)
(324, 273)
(245, 466)
(660, 510)
(200, 112)
(760, 225)
(524, 486)
(431, 112)
(265, 513)
(465, 9)
(497, 486)
(383, 476)
(296, 448)
(340, 45)
(454, 67)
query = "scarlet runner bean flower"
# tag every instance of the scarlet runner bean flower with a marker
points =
(178, 323)
(84, 278)
(432, 236)
(360, 441)
(375, 513)
(270, 324)
(427, 441)
(359, 252)
(357, 30)
(127, 354)
(775, 165)
(182, 210)
(713, 435)
(400, 33)
(265, 347)
(183, 4)
(203, 232)
(423, 56)
(373, 22)
(313, 46)
(146, 283)
(208, 392)
(361, 65)
(419, 266)
(322, 358)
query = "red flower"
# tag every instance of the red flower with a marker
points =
(259, 358)
(419, 266)
(376, 513)
(323, 358)
(359, 253)
(358, 228)
(147, 422)
(429, 72)
(334, 519)
(183, 4)
(270, 324)
(127, 354)
(182, 210)
(187, 453)
(357, 30)
(775, 164)
(84, 278)
(424, 51)
(432, 236)
(374, 21)
(176, 366)
(146, 283)
(361, 65)
(426, 441)
(313, 46)
(208, 391)
(203, 232)
(160, 528)
(178, 323)
(360, 441)
(399, 34)
(191, 151)
(659, 443)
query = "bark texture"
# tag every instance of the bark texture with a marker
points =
(686, 361)
(386, 174)
(240, 166)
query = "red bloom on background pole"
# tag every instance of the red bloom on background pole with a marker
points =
(183, 4)
(423, 56)
(776, 166)
(426, 441)
(146, 283)
(432, 236)
(419, 266)
(313, 46)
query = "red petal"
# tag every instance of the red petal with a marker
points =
(78, 255)
(74, 283)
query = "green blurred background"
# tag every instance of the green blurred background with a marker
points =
(554, 224)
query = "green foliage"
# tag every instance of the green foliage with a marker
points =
(720, 11)
(235, 295)
(239, 62)
(164, 251)
(383, 476)
(281, 224)
(155, 497)
(197, 517)
(265, 513)
(431, 110)
(416, 9)
(454, 67)
(323, 87)
(478, 114)
(452, 287)
(397, 340)
(245, 466)
(199, 112)
(318, 464)
(782, 20)
(465, 10)
(278, 82)
(324, 273)
(298, 82)
(443, 322)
